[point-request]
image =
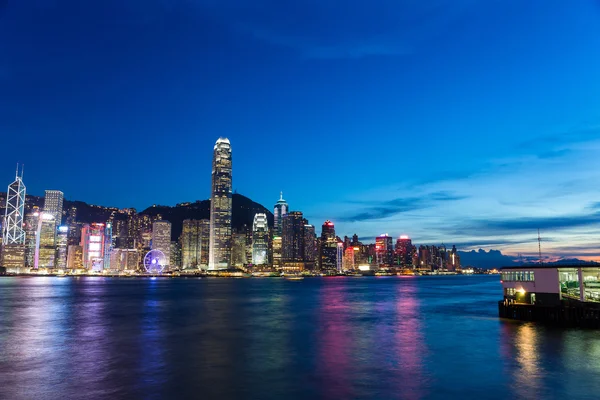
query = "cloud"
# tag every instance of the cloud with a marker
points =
(384, 209)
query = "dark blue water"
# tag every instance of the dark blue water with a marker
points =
(321, 338)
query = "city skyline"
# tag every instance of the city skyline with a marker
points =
(425, 129)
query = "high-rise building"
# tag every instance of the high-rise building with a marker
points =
(175, 262)
(74, 228)
(194, 241)
(277, 249)
(46, 242)
(220, 207)
(260, 240)
(75, 257)
(384, 250)
(161, 239)
(53, 204)
(239, 253)
(403, 251)
(124, 260)
(292, 246)
(31, 228)
(62, 242)
(328, 249)
(280, 210)
(92, 243)
(108, 246)
(310, 244)
(13, 232)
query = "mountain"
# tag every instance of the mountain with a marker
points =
(495, 259)
(243, 210)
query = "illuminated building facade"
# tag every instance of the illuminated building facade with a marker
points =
(220, 207)
(53, 204)
(46, 242)
(75, 257)
(31, 228)
(279, 211)
(194, 241)
(239, 247)
(92, 244)
(277, 246)
(310, 244)
(384, 250)
(404, 251)
(292, 243)
(328, 249)
(108, 245)
(122, 260)
(260, 240)
(62, 242)
(161, 239)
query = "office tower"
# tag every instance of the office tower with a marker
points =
(92, 243)
(310, 244)
(161, 239)
(75, 257)
(74, 227)
(46, 242)
(194, 241)
(108, 233)
(239, 254)
(53, 204)
(13, 233)
(404, 251)
(220, 207)
(62, 242)
(340, 255)
(277, 248)
(31, 228)
(124, 260)
(328, 249)
(292, 242)
(424, 257)
(348, 261)
(175, 255)
(384, 251)
(281, 209)
(260, 240)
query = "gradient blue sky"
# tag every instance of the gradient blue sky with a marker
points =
(465, 121)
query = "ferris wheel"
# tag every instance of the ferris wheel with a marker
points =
(155, 261)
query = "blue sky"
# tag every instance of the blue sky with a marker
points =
(462, 121)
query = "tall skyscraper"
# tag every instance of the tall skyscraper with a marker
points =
(31, 228)
(260, 240)
(328, 249)
(46, 242)
(92, 243)
(194, 241)
(161, 239)
(108, 234)
(292, 243)
(404, 250)
(220, 207)
(62, 241)
(53, 204)
(384, 250)
(13, 232)
(310, 244)
(280, 210)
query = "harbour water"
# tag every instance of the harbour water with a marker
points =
(270, 338)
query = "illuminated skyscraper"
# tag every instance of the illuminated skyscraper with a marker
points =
(328, 249)
(260, 240)
(161, 239)
(281, 209)
(220, 207)
(31, 228)
(404, 251)
(62, 241)
(384, 250)
(92, 243)
(75, 257)
(310, 244)
(53, 204)
(194, 241)
(292, 244)
(108, 234)
(46, 242)
(13, 232)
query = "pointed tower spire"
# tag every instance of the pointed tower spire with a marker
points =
(281, 195)
(17, 173)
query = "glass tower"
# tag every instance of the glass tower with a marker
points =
(220, 207)
(281, 209)
(53, 204)
(260, 240)
(15, 208)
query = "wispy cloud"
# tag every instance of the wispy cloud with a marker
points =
(383, 209)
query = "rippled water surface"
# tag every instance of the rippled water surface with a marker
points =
(321, 338)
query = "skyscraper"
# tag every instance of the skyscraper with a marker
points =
(62, 241)
(260, 240)
(53, 204)
(292, 244)
(46, 242)
(384, 250)
(194, 241)
(15, 208)
(280, 210)
(161, 239)
(220, 207)
(310, 244)
(328, 249)
(92, 243)
(404, 250)
(31, 228)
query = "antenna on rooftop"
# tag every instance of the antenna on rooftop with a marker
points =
(540, 246)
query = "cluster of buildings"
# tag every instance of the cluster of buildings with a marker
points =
(50, 239)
